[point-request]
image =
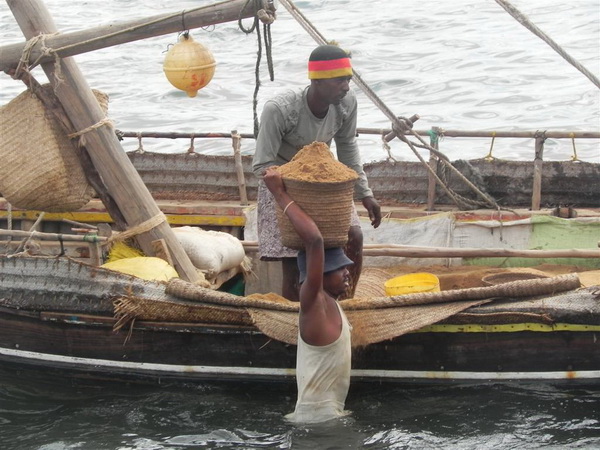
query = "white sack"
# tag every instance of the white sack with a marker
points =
(212, 252)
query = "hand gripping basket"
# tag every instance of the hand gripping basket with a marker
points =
(39, 165)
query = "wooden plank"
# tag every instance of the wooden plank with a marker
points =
(161, 251)
(70, 44)
(433, 163)
(122, 180)
(536, 197)
(239, 168)
(450, 252)
(53, 236)
(96, 217)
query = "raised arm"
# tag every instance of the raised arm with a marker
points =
(308, 232)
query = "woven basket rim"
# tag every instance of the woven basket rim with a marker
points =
(319, 183)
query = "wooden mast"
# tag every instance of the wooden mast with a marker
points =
(121, 179)
(74, 43)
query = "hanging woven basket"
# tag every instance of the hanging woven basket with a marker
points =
(40, 167)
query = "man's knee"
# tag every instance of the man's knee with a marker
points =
(290, 283)
(355, 241)
(355, 234)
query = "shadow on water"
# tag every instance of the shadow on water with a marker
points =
(38, 411)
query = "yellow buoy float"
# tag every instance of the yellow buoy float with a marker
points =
(189, 65)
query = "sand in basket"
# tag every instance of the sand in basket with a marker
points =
(40, 167)
(324, 189)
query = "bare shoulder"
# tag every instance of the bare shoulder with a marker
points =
(321, 322)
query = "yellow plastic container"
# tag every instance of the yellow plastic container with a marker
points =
(411, 284)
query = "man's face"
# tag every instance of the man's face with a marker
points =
(337, 281)
(333, 90)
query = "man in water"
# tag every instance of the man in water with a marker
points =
(325, 110)
(324, 347)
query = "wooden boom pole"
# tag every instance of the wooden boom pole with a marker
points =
(70, 44)
(122, 180)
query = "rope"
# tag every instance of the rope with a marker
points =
(489, 156)
(143, 227)
(9, 226)
(267, 19)
(105, 121)
(24, 66)
(523, 20)
(9, 217)
(434, 137)
(26, 241)
(140, 148)
(574, 156)
(80, 134)
(398, 124)
(192, 149)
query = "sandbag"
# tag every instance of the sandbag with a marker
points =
(213, 252)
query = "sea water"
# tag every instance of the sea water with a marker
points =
(460, 65)
(464, 65)
(40, 411)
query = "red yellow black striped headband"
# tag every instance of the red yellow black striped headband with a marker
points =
(333, 68)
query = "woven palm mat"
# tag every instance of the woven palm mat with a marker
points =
(129, 308)
(373, 320)
(368, 326)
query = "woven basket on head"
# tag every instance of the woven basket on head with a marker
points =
(329, 205)
(39, 165)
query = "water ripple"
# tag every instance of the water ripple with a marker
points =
(414, 60)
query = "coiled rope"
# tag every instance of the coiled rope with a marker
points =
(267, 18)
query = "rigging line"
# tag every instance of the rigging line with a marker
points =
(523, 20)
(260, 16)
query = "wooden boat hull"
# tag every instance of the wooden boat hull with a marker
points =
(193, 176)
(159, 352)
(85, 345)
(63, 320)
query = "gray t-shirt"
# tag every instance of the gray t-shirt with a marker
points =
(287, 124)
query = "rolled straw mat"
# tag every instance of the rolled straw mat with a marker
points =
(380, 319)
(40, 167)
(373, 320)
(128, 308)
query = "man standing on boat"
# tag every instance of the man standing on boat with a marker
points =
(325, 110)
(324, 347)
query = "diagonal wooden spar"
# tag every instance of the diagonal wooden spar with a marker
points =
(70, 44)
(120, 177)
